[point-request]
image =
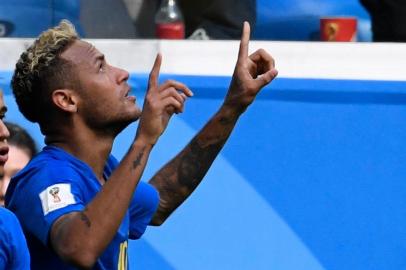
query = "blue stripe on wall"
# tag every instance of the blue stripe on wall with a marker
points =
(312, 178)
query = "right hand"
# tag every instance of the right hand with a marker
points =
(251, 74)
(160, 103)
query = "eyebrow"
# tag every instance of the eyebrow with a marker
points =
(99, 57)
(97, 60)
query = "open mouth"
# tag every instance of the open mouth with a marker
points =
(129, 97)
(3, 154)
(3, 158)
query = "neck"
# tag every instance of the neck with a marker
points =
(86, 145)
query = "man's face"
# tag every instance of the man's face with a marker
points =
(17, 159)
(103, 89)
(4, 134)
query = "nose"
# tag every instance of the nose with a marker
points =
(4, 133)
(122, 75)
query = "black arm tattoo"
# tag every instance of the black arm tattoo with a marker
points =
(194, 165)
(137, 161)
(85, 219)
(180, 177)
(225, 121)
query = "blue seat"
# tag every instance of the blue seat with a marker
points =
(300, 19)
(28, 18)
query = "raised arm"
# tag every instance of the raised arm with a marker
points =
(178, 178)
(81, 237)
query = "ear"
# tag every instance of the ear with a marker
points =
(65, 99)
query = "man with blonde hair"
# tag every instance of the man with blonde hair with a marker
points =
(78, 206)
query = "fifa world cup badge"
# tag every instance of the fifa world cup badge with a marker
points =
(54, 192)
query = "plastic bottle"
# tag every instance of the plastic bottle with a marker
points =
(169, 21)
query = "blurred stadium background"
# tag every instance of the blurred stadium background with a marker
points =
(313, 176)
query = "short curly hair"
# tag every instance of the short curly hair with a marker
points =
(40, 71)
(21, 138)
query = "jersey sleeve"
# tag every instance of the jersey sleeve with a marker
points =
(142, 208)
(13, 246)
(44, 196)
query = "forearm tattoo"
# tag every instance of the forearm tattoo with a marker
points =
(194, 165)
(137, 161)
(85, 219)
(177, 180)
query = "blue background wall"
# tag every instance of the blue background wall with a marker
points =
(313, 177)
(28, 18)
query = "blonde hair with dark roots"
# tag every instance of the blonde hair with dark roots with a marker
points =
(40, 70)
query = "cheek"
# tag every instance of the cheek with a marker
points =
(4, 184)
(17, 159)
(104, 106)
(99, 103)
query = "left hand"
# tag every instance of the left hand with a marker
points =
(160, 103)
(251, 74)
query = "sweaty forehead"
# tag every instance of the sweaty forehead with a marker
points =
(80, 52)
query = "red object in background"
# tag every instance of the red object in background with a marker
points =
(169, 21)
(174, 30)
(338, 29)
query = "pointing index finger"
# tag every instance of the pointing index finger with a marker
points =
(154, 74)
(245, 38)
